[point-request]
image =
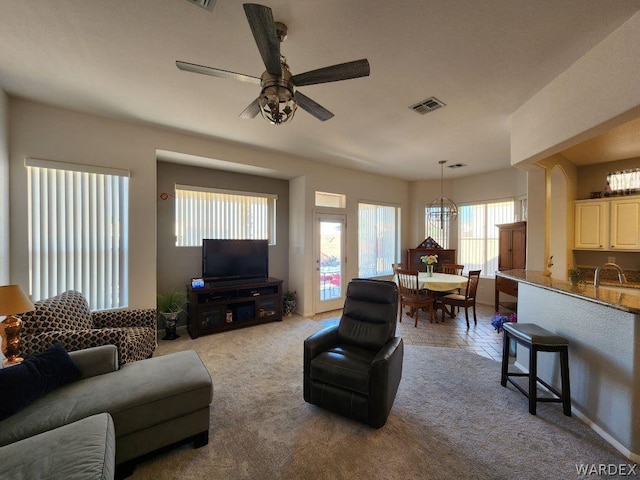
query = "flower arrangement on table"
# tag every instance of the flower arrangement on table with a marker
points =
(499, 320)
(429, 259)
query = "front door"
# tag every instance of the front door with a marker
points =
(330, 257)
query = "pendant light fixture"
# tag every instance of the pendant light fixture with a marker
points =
(442, 211)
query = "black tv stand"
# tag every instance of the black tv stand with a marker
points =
(221, 306)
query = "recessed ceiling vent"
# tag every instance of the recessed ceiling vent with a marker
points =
(206, 4)
(428, 105)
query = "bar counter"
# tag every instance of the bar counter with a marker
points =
(603, 329)
(607, 295)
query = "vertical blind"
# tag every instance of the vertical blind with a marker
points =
(626, 181)
(378, 228)
(78, 232)
(478, 234)
(439, 232)
(212, 213)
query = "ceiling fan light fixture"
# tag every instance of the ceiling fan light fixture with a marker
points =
(277, 101)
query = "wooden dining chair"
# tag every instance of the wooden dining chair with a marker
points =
(452, 268)
(463, 301)
(412, 296)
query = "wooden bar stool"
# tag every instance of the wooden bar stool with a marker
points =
(537, 339)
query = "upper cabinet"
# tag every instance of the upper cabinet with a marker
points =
(607, 224)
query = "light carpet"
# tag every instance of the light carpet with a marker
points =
(451, 420)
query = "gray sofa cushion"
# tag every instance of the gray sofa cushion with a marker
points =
(139, 395)
(83, 450)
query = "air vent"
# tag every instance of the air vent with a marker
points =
(457, 165)
(206, 4)
(428, 105)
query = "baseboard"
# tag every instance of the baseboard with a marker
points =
(634, 457)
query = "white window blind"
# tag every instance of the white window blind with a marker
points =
(440, 233)
(625, 181)
(78, 232)
(213, 213)
(478, 234)
(378, 230)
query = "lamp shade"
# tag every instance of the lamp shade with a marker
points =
(13, 300)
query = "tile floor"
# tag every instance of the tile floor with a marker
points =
(453, 333)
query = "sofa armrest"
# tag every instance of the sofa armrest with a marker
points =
(72, 339)
(144, 318)
(96, 360)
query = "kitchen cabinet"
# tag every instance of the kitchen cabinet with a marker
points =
(607, 224)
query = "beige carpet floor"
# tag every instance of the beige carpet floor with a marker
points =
(451, 420)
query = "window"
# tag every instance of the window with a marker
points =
(624, 181)
(478, 234)
(212, 213)
(332, 200)
(433, 229)
(78, 232)
(378, 234)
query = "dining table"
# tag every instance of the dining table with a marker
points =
(441, 282)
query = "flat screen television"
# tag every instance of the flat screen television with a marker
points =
(228, 260)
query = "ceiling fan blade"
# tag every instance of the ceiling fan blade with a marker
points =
(264, 32)
(216, 72)
(343, 71)
(312, 107)
(252, 110)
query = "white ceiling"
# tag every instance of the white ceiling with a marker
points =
(483, 59)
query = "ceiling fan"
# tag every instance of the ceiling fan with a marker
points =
(278, 99)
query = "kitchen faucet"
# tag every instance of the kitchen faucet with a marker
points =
(596, 277)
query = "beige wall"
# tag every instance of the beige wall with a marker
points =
(596, 93)
(500, 184)
(599, 91)
(177, 265)
(51, 133)
(593, 178)
(4, 189)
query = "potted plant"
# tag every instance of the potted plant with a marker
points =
(575, 276)
(289, 302)
(170, 304)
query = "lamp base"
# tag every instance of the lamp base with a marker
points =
(10, 333)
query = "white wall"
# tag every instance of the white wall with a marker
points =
(4, 189)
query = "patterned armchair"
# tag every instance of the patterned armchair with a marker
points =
(66, 318)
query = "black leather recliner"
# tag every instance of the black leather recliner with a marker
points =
(354, 368)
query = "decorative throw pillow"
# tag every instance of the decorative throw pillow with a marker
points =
(24, 383)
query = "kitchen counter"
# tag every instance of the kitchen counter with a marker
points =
(622, 297)
(603, 329)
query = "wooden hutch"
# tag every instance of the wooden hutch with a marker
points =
(429, 247)
(512, 254)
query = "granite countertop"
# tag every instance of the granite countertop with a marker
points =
(627, 300)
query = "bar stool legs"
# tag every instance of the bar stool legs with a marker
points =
(537, 339)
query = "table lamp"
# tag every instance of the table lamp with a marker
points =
(13, 300)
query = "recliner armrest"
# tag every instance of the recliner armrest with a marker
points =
(390, 348)
(321, 341)
(314, 345)
(385, 375)
(96, 360)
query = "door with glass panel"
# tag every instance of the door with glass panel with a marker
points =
(330, 257)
